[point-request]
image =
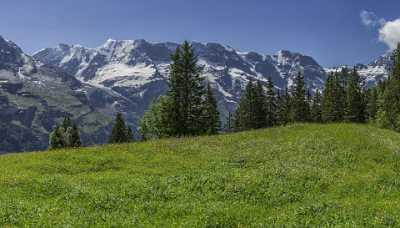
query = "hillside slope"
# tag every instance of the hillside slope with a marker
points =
(297, 175)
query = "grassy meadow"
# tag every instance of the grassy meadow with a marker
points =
(299, 175)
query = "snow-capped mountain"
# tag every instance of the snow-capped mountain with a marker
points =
(34, 97)
(372, 72)
(138, 70)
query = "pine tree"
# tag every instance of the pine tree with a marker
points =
(64, 136)
(56, 139)
(316, 107)
(185, 105)
(309, 100)
(260, 114)
(389, 113)
(211, 121)
(250, 113)
(333, 99)
(284, 108)
(354, 107)
(75, 137)
(372, 103)
(271, 105)
(129, 134)
(300, 112)
(119, 131)
(244, 115)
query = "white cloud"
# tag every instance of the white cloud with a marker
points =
(389, 33)
(370, 19)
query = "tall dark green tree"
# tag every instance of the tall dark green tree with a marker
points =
(186, 92)
(284, 107)
(245, 113)
(119, 133)
(211, 121)
(316, 107)
(259, 104)
(271, 105)
(182, 111)
(299, 102)
(333, 99)
(372, 103)
(354, 107)
(389, 113)
(65, 135)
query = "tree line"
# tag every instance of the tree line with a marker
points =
(190, 109)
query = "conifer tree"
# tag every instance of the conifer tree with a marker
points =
(259, 104)
(354, 107)
(309, 100)
(333, 98)
(372, 103)
(76, 138)
(284, 108)
(299, 102)
(56, 139)
(244, 115)
(271, 105)
(185, 95)
(129, 134)
(65, 135)
(211, 121)
(316, 107)
(119, 131)
(251, 113)
(389, 113)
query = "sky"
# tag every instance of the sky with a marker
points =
(334, 32)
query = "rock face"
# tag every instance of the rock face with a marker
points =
(34, 97)
(138, 70)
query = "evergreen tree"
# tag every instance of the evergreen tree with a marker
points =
(333, 99)
(129, 134)
(56, 139)
(260, 114)
(185, 106)
(64, 136)
(75, 137)
(211, 121)
(119, 131)
(284, 109)
(316, 107)
(244, 115)
(354, 109)
(389, 113)
(299, 102)
(271, 105)
(309, 100)
(372, 103)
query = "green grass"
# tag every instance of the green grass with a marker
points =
(301, 175)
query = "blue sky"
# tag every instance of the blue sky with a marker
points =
(329, 30)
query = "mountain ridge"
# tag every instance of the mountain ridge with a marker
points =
(92, 84)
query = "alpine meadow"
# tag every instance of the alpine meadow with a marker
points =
(138, 133)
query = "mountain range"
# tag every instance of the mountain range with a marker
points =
(92, 84)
